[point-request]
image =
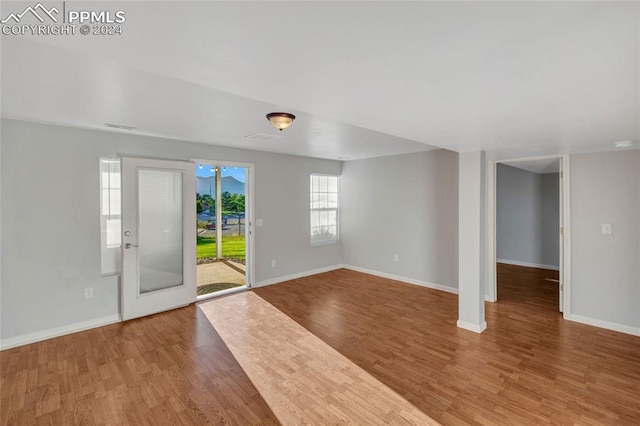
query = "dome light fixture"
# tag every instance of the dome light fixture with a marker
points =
(280, 120)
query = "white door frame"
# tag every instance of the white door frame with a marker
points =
(491, 276)
(249, 209)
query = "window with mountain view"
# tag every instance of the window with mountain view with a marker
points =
(324, 209)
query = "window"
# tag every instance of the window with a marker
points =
(324, 209)
(110, 216)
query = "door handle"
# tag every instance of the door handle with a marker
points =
(129, 245)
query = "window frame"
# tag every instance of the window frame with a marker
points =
(110, 254)
(336, 209)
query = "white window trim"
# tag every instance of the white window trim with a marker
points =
(337, 210)
(112, 253)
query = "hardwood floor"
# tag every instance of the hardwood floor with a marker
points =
(531, 286)
(303, 379)
(529, 367)
(167, 369)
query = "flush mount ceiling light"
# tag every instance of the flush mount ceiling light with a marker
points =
(281, 120)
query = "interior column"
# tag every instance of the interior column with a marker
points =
(471, 240)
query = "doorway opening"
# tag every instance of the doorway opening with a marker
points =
(223, 228)
(528, 262)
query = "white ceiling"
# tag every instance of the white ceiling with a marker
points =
(514, 78)
(541, 166)
(85, 91)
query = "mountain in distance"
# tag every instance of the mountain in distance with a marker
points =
(207, 185)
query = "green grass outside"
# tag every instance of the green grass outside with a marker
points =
(231, 247)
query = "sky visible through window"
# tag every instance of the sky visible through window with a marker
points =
(237, 172)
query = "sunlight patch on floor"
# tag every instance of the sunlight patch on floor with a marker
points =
(302, 379)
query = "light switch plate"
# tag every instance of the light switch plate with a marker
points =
(606, 229)
(259, 222)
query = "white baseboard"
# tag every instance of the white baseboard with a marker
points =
(476, 328)
(530, 265)
(50, 333)
(635, 331)
(403, 279)
(295, 276)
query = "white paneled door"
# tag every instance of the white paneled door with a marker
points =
(158, 236)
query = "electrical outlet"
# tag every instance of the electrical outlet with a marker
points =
(396, 258)
(273, 263)
(88, 293)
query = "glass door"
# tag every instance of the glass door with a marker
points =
(221, 205)
(158, 236)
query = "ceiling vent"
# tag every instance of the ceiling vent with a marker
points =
(119, 126)
(264, 137)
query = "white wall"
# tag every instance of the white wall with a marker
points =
(605, 283)
(527, 216)
(50, 244)
(405, 205)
